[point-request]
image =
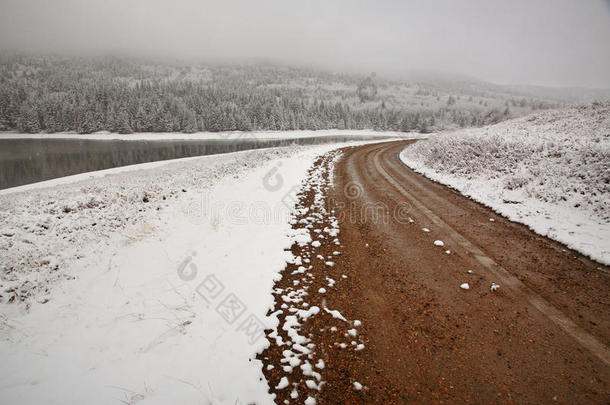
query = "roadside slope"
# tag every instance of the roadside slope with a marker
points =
(549, 171)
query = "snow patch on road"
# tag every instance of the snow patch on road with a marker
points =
(320, 222)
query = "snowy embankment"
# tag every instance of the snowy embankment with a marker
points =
(149, 284)
(549, 171)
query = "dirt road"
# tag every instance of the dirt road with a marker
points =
(541, 337)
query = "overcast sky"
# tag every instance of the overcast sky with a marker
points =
(548, 42)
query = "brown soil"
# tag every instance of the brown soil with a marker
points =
(542, 337)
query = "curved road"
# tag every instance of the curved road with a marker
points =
(542, 337)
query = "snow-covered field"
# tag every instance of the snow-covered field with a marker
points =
(549, 171)
(146, 284)
(216, 135)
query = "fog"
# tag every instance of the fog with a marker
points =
(543, 42)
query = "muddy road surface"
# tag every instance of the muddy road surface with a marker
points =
(396, 323)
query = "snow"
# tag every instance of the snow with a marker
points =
(335, 314)
(465, 286)
(310, 401)
(312, 385)
(548, 171)
(117, 299)
(282, 384)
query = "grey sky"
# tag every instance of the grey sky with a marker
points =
(549, 42)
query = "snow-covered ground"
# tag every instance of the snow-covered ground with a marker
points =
(147, 284)
(216, 135)
(549, 171)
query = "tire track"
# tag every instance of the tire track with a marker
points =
(555, 315)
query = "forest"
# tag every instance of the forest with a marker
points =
(59, 94)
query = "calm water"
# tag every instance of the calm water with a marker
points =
(24, 161)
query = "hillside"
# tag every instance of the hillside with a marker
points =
(58, 94)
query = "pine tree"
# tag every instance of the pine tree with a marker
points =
(122, 123)
(28, 119)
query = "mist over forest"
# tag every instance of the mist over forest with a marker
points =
(188, 66)
(84, 95)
